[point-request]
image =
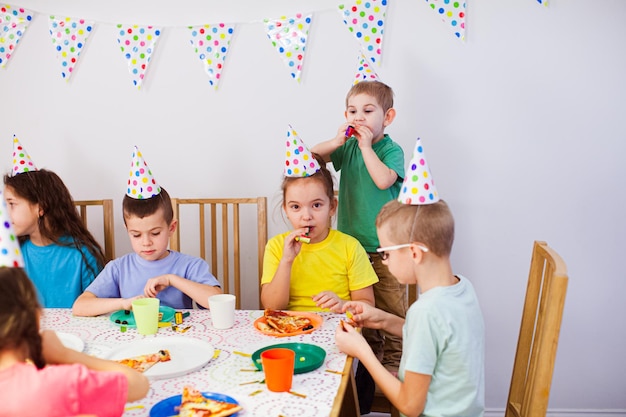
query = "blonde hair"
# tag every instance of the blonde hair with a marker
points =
(430, 224)
(380, 91)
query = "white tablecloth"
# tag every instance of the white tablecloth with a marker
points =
(222, 374)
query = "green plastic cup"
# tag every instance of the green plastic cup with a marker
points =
(146, 312)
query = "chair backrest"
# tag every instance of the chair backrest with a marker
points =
(226, 235)
(539, 334)
(106, 232)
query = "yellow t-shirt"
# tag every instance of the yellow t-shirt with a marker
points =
(338, 264)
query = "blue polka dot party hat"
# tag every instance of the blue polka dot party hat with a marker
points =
(10, 252)
(418, 187)
(21, 159)
(141, 183)
(299, 161)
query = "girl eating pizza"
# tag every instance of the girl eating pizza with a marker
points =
(312, 267)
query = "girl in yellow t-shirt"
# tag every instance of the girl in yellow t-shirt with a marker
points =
(314, 267)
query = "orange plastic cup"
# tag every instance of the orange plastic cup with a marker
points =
(278, 366)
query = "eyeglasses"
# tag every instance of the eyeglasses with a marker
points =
(383, 251)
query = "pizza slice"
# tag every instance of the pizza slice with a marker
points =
(194, 404)
(281, 322)
(142, 363)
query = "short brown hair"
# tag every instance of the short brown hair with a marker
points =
(148, 206)
(430, 224)
(380, 91)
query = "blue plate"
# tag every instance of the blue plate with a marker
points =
(169, 406)
(129, 318)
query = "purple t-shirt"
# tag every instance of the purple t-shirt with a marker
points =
(126, 277)
(61, 391)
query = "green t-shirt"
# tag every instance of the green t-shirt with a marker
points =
(360, 199)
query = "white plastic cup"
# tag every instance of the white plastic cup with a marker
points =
(222, 308)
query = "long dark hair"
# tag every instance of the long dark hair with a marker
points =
(60, 216)
(19, 314)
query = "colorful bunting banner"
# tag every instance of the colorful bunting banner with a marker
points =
(137, 44)
(211, 42)
(543, 2)
(13, 24)
(366, 20)
(69, 37)
(452, 13)
(289, 36)
(364, 71)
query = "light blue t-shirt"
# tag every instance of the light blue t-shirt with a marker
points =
(126, 277)
(444, 336)
(59, 273)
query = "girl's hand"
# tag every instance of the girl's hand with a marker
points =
(292, 247)
(53, 350)
(329, 300)
(349, 341)
(156, 285)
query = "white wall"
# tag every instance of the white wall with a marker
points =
(523, 126)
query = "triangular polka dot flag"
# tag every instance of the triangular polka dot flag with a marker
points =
(543, 2)
(452, 13)
(366, 20)
(21, 159)
(10, 252)
(211, 43)
(289, 36)
(299, 161)
(137, 43)
(365, 72)
(13, 24)
(69, 37)
(418, 186)
(141, 183)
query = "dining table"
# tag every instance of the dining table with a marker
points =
(220, 362)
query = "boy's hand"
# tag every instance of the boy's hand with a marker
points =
(127, 303)
(349, 341)
(364, 136)
(156, 285)
(329, 300)
(364, 315)
(341, 137)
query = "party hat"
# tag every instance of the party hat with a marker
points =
(10, 253)
(299, 161)
(21, 159)
(418, 187)
(141, 183)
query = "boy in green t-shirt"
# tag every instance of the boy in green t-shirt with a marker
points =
(372, 170)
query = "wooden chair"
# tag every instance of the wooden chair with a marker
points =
(104, 234)
(380, 403)
(225, 236)
(539, 334)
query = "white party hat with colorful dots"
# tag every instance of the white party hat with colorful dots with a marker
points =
(418, 187)
(21, 159)
(10, 252)
(299, 161)
(141, 183)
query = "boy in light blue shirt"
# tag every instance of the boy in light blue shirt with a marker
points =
(441, 372)
(152, 270)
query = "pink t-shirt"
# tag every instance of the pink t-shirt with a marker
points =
(61, 390)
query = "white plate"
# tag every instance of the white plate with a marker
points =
(71, 341)
(188, 355)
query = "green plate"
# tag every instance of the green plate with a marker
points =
(308, 357)
(121, 315)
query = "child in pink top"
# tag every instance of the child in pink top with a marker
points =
(41, 377)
